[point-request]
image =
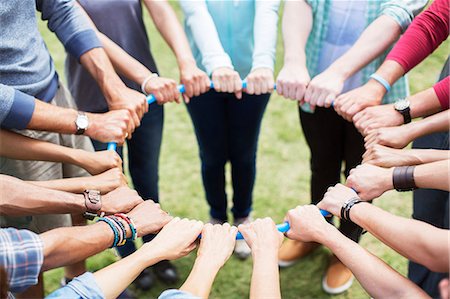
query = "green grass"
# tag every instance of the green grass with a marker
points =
(282, 182)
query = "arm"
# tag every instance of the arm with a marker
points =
(383, 156)
(260, 80)
(423, 243)
(423, 103)
(296, 25)
(376, 277)
(372, 181)
(19, 147)
(265, 241)
(216, 247)
(374, 40)
(399, 137)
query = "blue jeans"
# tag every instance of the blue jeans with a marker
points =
(143, 159)
(227, 129)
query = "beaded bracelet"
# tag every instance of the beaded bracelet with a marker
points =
(113, 227)
(123, 236)
(130, 223)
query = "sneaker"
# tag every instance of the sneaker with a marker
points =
(166, 272)
(241, 249)
(292, 251)
(145, 280)
(338, 277)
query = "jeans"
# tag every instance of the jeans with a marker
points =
(431, 206)
(332, 141)
(227, 129)
(143, 159)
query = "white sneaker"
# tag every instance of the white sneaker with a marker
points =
(241, 249)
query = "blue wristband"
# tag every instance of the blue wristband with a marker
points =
(381, 80)
(114, 229)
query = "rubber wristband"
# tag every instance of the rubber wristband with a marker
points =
(153, 75)
(381, 80)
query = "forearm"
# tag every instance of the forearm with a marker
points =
(47, 117)
(433, 175)
(265, 277)
(115, 278)
(72, 185)
(424, 103)
(376, 277)
(97, 63)
(423, 243)
(439, 122)
(170, 28)
(296, 27)
(27, 199)
(375, 39)
(68, 245)
(201, 278)
(423, 156)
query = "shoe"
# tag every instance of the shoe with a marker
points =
(215, 221)
(145, 280)
(166, 272)
(291, 251)
(338, 277)
(126, 294)
(241, 249)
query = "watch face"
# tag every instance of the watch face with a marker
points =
(401, 105)
(82, 121)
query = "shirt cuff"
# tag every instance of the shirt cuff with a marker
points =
(442, 91)
(214, 62)
(82, 42)
(263, 61)
(176, 294)
(400, 15)
(21, 111)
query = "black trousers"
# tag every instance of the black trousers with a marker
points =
(431, 206)
(333, 141)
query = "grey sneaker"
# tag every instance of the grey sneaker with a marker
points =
(241, 249)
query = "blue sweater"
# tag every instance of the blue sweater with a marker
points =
(26, 68)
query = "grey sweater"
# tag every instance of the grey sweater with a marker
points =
(26, 68)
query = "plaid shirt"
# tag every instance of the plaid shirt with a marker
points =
(402, 11)
(21, 255)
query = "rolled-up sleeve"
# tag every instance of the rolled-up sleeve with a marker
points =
(403, 11)
(16, 108)
(176, 294)
(443, 93)
(265, 33)
(81, 287)
(70, 25)
(205, 35)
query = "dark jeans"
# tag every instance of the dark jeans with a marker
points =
(227, 129)
(431, 206)
(332, 141)
(143, 159)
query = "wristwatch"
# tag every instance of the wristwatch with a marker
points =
(402, 107)
(93, 202)
(82, 122)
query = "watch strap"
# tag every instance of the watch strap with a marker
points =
(406, 115)
(93, 203)
(80, 131)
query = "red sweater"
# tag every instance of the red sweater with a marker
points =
(423, 36)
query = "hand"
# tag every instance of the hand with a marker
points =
(176, 239)
(149, 218)
(113, 126)
(370, 181)
(292, 82)
(350, 103)
(217, 243)
(99, 162)
(131, 100)
(383, 156)
(335, 198)
(163, 89)
(227, 80)
(396, 137)
(260, 81)
(121, 200)
(324, 88)
(195, 81)
(376, 117)
(307, 224)
(107, 181)
(262, 237)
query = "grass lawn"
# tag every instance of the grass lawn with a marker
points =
(282, 182)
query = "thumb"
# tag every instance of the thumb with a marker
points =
(186, 98)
